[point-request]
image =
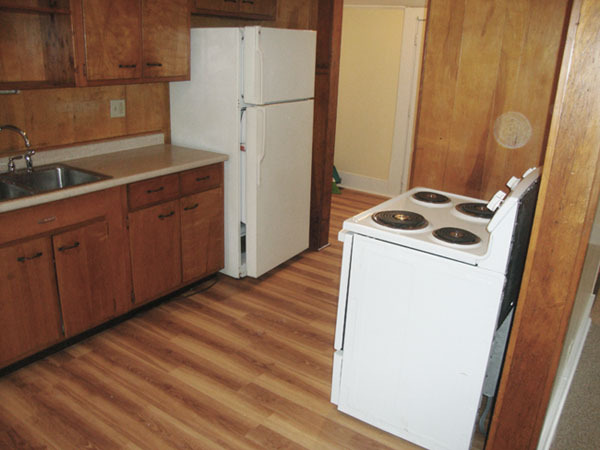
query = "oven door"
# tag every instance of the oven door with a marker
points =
(417, 335)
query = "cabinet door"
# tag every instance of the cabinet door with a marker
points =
(29, 309)
(154, 237)
(166, 38)
(218, 5)
(112, 39)
(83, 272)
(263, 8)
(202, 230)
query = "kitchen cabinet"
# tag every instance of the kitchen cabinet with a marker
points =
(64, 268)
(155, 250)
(135, 40)
(247, 9)
(202, 232)
(82, 257)
(36, 44)
(176, 230)
(29, 309)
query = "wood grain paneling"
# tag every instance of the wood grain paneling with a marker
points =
(245, 364)
(59, 117)
(564, 216)
(483, 59)
(299, 14)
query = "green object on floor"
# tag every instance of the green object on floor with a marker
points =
(336, 176)
(334, 188)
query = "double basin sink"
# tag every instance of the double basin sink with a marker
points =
(54, 177)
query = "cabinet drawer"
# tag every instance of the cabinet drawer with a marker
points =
(155, 190)
(202, 179)
(51, 216)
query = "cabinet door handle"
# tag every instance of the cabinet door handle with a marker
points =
(68, 247)
(127, 66)
(152, 191)
(207, 177)
(27, 258)
(189, 208)
(154, 64)
(164, 216)
(47, 220)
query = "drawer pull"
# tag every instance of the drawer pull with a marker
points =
(27, 258)
(154, 64)
(68, 247)
(153, 191)
(204, 178)
(230, 1)
(47, 220)
(189, 208)
(248, 1)
(127, 66)
(164, 216)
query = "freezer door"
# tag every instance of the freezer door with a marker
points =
(278, 174)
(279, 65)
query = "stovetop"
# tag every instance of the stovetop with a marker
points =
(439, 210)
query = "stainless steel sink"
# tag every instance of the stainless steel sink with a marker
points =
(10, 191)
(48, 178)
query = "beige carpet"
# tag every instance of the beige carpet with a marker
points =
(579, 424)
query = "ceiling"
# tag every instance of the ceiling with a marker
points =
(408, 3)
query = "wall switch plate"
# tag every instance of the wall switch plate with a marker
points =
(117, 108)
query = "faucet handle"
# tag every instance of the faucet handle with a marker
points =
(28, 162)
(11, 162)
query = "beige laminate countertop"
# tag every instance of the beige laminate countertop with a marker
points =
(124, 167)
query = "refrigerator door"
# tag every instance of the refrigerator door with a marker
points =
(279, 154)
(205, 115)
(279, 65)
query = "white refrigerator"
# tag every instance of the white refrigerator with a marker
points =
(251, 97)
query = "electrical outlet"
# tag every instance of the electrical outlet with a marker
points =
(117, 108)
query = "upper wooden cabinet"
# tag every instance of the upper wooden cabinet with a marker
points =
(36, 44)
(135, 40)
(247, 9)
(113, 45)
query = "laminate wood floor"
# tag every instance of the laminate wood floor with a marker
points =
(240, 364)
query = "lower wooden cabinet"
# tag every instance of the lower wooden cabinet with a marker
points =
(202, 234)
(70, 265)
(85, 285)
(181, 239)
(154, 237)
(64, 268)
(29, 308)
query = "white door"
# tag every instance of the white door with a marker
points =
(279, 65)
(418, 334)
(278, 174)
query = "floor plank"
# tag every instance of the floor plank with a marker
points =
(241, 364)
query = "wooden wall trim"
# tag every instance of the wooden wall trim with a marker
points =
(565, 212)
(329, 38)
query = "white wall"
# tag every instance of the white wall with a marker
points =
(380, 55)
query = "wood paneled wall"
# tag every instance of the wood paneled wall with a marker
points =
(298, 14)
(60, 117)
(484, 58)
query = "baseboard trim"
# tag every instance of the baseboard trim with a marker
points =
(363, 183)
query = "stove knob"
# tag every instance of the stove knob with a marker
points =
(513, 182)
(496, 200)
(528, 171)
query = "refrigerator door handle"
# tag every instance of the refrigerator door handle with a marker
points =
(261, 147)
(259, 71)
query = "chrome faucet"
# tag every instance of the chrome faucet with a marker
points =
(28, 154)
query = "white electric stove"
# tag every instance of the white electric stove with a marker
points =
(427, 277)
